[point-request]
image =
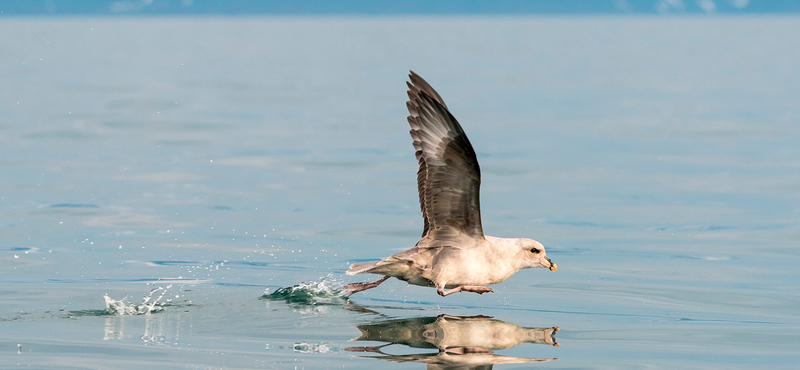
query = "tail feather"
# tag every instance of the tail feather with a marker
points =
(360, 267)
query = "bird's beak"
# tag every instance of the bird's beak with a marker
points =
(553, 266)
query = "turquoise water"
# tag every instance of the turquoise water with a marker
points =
(163, 178)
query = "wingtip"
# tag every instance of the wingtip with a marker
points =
(417, 86)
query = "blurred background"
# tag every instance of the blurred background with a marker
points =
(184, 183)
(387, 7)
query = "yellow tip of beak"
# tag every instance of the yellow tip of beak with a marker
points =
(554, 267)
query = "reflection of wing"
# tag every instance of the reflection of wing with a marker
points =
(410, 332)
(445, 361)
(449, 177)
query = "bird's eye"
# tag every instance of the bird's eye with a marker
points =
(535, 250)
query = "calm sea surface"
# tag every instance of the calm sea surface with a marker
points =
(158, 176)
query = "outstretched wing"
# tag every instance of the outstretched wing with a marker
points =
(449, 177)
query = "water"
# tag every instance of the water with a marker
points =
(164, 178)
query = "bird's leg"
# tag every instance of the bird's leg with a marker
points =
(464, 288)
(352, 288)
(441, 292)
(476, 289)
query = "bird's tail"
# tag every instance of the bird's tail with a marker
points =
(360, 267)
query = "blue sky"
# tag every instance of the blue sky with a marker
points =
(390, 7)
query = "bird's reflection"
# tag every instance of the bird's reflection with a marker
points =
(463, 343)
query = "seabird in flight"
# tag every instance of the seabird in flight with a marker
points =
(453, 252)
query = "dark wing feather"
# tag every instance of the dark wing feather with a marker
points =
(449, 177)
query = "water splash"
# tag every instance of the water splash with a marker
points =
(324, 291)
(152, 302)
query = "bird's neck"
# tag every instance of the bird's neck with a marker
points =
(507, 251)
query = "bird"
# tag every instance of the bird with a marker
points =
(453, 255)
